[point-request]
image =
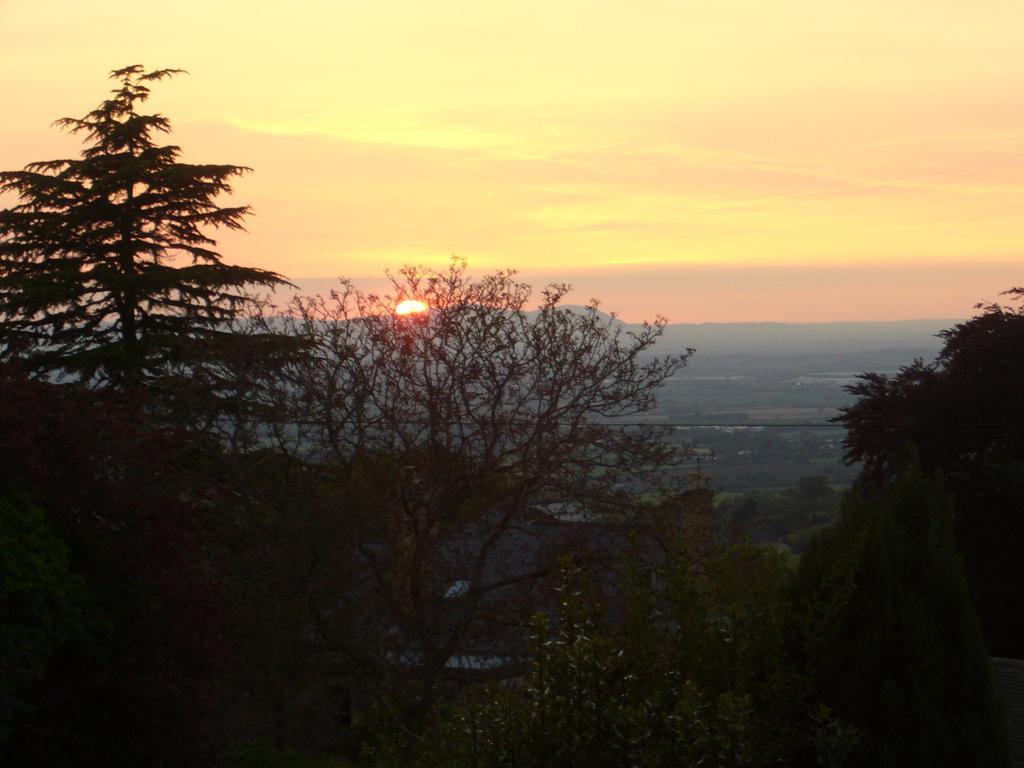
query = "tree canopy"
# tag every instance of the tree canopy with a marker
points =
(964, 408)
(107, 272)
(964, 416)
(445, 432)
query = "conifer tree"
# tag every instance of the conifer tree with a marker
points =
(107, 273)
(892, 635)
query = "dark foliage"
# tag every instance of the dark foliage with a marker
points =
(892, 636)
(106, 272)
(139, 514)
(964, 414)
(962, 409)
(700, 674)
(41, 605)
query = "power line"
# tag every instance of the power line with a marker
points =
(621, 424)
(746, 425)
(815, 425)
(682, 425)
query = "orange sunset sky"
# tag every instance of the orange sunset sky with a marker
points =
(711, 160)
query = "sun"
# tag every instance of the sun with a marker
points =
(411, 307)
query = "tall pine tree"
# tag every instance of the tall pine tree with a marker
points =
(107, 273)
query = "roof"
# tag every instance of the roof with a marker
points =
(490, 573)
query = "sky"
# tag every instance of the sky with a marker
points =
(707, 160)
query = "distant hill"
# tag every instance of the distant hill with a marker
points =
(799, 338)
(715, 339)
(863, 346)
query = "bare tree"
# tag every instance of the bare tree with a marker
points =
(455, 437)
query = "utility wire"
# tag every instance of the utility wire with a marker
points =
(772, 425)
(627, 424)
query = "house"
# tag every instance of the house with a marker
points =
(467, 619)
(522, 571)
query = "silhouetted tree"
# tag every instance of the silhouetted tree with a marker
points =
(106, 272)
(891, 634)
(443, 433)
(964, 413)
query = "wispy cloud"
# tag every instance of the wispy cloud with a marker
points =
(568, 135)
